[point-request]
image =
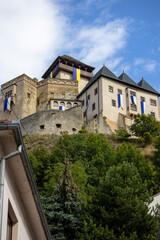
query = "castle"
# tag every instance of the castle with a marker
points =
(70, 95)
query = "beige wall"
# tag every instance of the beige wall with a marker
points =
(97, 99)
(21, 106)
(112, 112)
(69, 76)
(57, 87)
(54, 122)
(117, 116)
(20, 229)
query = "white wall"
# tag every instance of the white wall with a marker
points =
(10, 194)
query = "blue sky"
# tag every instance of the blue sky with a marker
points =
(122, 34)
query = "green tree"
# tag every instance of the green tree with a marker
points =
(129, 153)
(122, 134)
(145, 126)
(123, 201)
(63, 209)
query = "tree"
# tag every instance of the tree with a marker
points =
(129, 153)
(123, 201)
(145, 126)
(122, 134)
(63, 209)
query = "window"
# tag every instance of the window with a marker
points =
(153, 114)
(83, 103)
(28, 95)
(153, 102)
(132, 93)
(38, 102)
(93, 106)
(63, 95)
(74, 129)
(88, 97)
(113, 103)
(62, 104)
(133, 107)
(9, 228)
(58, 125)
(51, 94)
(69, 105)
(41, 127)
(55, 104)
(95, 91)
(75, 104)
(8, 94)
(110, 89)
(120, 91)
(143, 99)
(12, 224)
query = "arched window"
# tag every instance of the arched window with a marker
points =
(75, 104)
(55, 104)
(62, 104)
(69, 105)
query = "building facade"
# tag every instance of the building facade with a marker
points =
(57, 90)
(69, 83)
(118, 99)
(21, 213)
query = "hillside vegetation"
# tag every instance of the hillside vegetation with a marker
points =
(97, 187)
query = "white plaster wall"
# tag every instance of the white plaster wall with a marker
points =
(156, 200)
(10, 194)
(93, 99)
(105, 100)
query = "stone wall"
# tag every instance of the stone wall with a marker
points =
(53, 122)
(98, 125)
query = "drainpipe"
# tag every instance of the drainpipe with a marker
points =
(2, 174)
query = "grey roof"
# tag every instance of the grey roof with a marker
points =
(126, 79)
(70, 60)
(123, 78)
(104, 71)
(143, 84)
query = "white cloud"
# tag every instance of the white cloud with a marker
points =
(138, 61)
(29, 30)
(151, 66)
(98, 44)
(34, 32)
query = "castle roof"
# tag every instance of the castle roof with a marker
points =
(70, 61)
(143, 84)
(123, 78)
(126, 79)
(104, 71)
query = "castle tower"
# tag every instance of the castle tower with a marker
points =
(63, 81)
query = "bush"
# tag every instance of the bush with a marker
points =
(147, 137)
(122, 134)
(145, 126)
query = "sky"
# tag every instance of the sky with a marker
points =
(122, 34)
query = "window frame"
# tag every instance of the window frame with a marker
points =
(93, 106)
(113, 103)
(153, 102)
(133, 107)
(110, 89)
(95, 91)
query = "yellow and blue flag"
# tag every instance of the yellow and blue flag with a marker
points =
(76, 74)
